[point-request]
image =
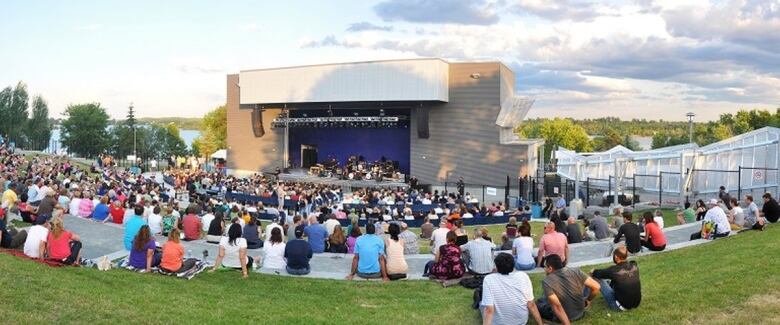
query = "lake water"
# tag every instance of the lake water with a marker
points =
(187, 135)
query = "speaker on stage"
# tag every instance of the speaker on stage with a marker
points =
(422, 123)
(257, 122)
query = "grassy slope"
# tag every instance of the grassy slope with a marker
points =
(724, 281)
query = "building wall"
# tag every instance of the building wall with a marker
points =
(247, 153)
(464, 139)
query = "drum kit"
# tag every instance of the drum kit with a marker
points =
(356, 168)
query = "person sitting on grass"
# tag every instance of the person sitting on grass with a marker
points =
(686, 216)
(439, 236)
(771, 209)
(297, 253)
(12, 238)
(567, 292)
(736, 215)
(753, 219)
(552, 243)
(478, 255)
(522, 249)
(411, 245)
(63, 246)
(716, 223)
(35, 243)
(173, 255)
(597, 229)
(232, 252)
(190, 224)
(337, 243)
(447, 264)
(169, 221)
(654, 238)
(273, 250)
(507, 297)
(133, 225)
(511, 228)
(394, 250)
(631, 232)
(144, 255)
(369, 260)
(620, 284)
(353, 236)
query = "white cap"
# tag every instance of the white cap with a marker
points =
(713, 202)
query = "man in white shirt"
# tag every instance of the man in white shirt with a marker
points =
(507, 297)
(716, 215)
(478, 254)
(206, 219)
(331, 224)
(439, 236)
(35, 245)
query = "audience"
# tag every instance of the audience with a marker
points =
(394, 250)
(411, 245)
(233, 252)
(654, 238)
(573, 232)
(251, 233)
(460, 231)
(426, 229)
(507, 297)
(478, 255)
(552, 243)
(297, 254)
(567, 292)
(191, 225)
(133, 225)
(216, 229)
(316, 234)
(173, 260)
(522, 249)
(598, 229)
(447, 264)
(686, 216)
(63, 246)
(439, 236)
(337, 242)
(273, 251)
(619, 283)
(771, 209)
(144, 255)
(353, 236)
(369, 261)
(753, 219)
(631, 232)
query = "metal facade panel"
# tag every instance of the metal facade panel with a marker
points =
(400, 80)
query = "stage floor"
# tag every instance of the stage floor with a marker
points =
(301, 175)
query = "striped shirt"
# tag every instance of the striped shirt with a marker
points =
(480, 255)
(509, 295)
(410, 242)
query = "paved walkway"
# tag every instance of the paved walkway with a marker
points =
(107, 240)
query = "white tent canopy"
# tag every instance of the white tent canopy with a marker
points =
(747, 163)
(219, 154)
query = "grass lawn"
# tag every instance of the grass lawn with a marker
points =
(729, 281)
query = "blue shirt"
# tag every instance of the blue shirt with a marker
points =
(297, 252)
(100, 213)
(316, 234)
(131, 229)
(369, 247)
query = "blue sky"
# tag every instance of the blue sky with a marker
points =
(633, 59)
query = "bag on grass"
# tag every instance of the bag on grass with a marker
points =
(472, 283)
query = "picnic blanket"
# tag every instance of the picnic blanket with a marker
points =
(199, 267)
(20, 254)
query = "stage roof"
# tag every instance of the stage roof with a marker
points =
(396, 80)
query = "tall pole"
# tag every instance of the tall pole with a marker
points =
(690, 116)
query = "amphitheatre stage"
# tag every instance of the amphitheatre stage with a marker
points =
(302, 176)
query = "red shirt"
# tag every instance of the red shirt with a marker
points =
(117, 214)
(59, 248)
(656, 234)
(191, 225)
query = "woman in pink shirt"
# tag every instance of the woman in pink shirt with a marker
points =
(86, 205)
(654, 238)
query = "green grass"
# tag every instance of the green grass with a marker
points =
(729, 281)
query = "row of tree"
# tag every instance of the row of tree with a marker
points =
(87, 132)
(605, 133)
(30, 132)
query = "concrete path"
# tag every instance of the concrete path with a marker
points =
(107, 240)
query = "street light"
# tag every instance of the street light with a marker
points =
(690, 116)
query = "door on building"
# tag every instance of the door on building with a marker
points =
(308, 155)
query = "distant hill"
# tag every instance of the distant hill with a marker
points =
(184, 123)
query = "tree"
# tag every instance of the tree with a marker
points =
(13, 112)
(130, 121)
(84, 129)
(214, 136)
(610, 139)
(558, 132)
(38, 130)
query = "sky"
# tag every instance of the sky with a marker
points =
(654, 59)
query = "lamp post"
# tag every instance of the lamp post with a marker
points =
(690, 116)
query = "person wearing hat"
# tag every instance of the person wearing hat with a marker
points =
(297, 253)
(35, 245)
(717, 216)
